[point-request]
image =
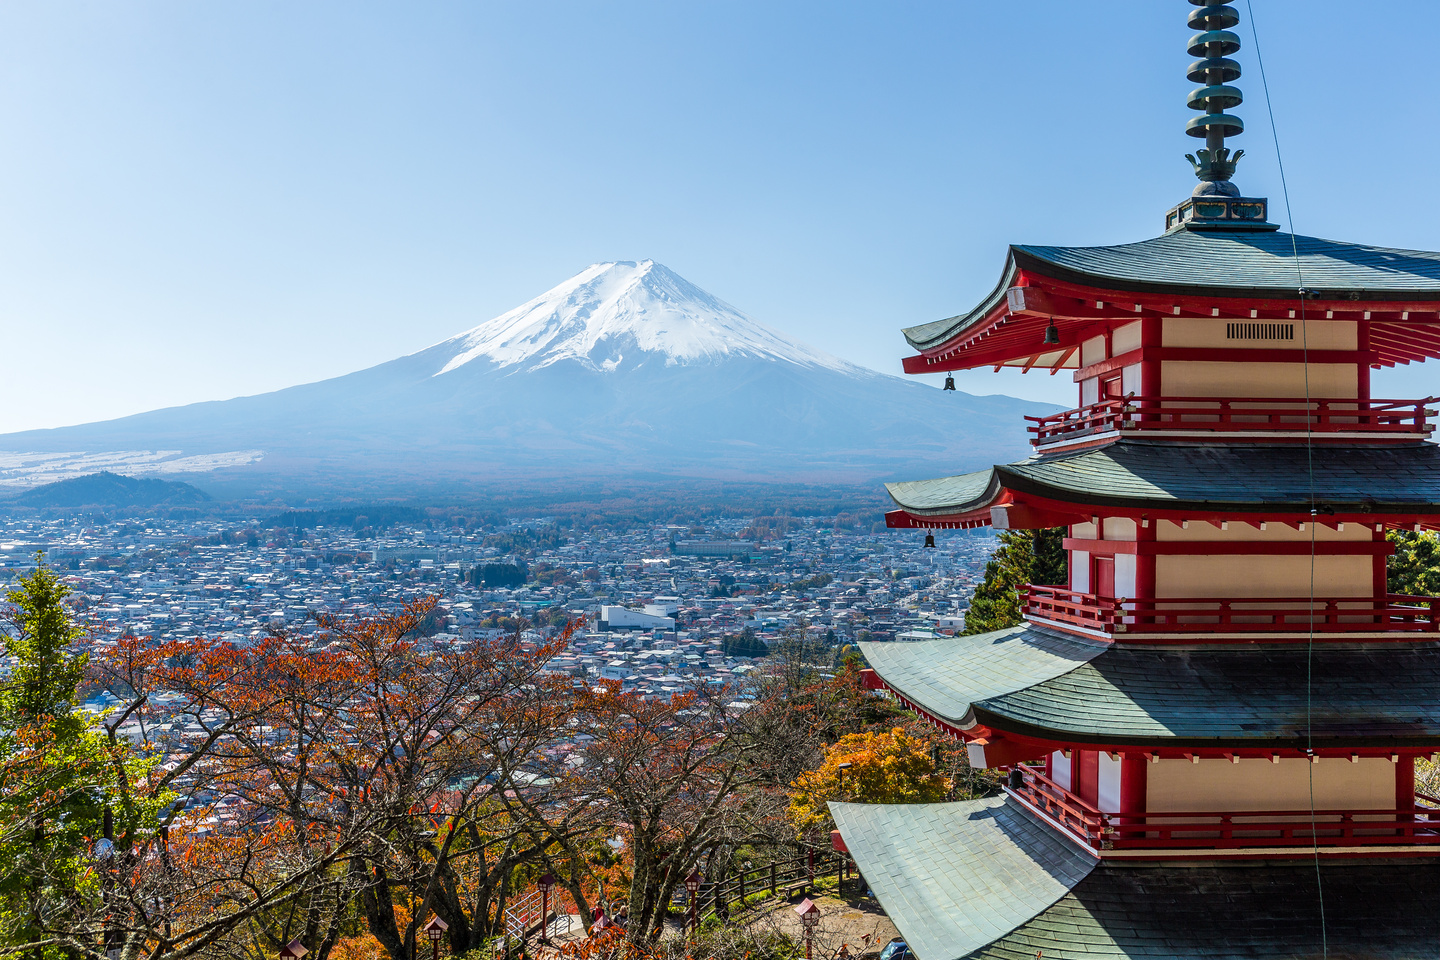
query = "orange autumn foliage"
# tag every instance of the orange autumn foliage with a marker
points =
(886, 767)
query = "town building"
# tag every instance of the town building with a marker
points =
(1211, 732)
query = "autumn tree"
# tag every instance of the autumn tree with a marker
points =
(333, 784)
(884, 767)
(1024, 556)
(668, 773)
(254, 849)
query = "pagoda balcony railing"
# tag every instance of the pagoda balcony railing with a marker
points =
(1393, 612)
(1199, 830)
(1236, 415)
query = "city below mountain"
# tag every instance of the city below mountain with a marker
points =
(624, 369)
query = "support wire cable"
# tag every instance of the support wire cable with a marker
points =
(1310, 470)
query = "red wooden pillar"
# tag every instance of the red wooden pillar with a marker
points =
(1380, 571)
(1144, 566)
(1405, 790)
(1085, 776)
(1362, 369)
(1151, 336)
(1134, 775)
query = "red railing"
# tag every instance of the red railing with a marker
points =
(1393, 612)
(1224, 830)
(1062, 806)
(1233, 414)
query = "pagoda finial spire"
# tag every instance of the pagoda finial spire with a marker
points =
(1214, 164)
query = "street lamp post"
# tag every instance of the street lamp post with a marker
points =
(692, 891)
(809, 918)
(435, 929)
(547, 883)
(843, 869)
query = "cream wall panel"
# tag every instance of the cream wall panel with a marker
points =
(1092, 351)
(1233, 575)
(1203, 378)
(1084, 531)
(1130, 380)
(1124, 574)
(1080, 571)
(1124, 339)
(1060, 769)
(1257, 784)
(1119, 528)
(1207, 332)
(1108, 796)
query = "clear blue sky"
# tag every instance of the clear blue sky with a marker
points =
(202, 200)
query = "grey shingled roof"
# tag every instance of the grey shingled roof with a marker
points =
(1167, 696)
(957, 876)
(1373, 911)
(947, 676)
(1362, 695)
(1177, 476)
(983, 880)
(952, 494)
(1216, 263)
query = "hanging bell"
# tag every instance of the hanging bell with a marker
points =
(949, 383)
(930, 540)
(1052, 334)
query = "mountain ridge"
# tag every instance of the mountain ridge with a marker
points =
(616, 303)
(623, 369)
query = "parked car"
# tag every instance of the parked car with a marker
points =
(896, 950)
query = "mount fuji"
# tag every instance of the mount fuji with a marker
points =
(624, 369)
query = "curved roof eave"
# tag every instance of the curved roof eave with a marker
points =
(1243, 265)
(927, 335)
(944, 496)
(1044, 685)
(982, 846)
(948, 677)
(1137, 474)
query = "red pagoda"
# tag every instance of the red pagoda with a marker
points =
(1211, 731)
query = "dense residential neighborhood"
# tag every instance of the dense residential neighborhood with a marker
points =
(656, 605)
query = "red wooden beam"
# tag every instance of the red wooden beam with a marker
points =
(1064, 358)
(1201, 548)
(1041, 299)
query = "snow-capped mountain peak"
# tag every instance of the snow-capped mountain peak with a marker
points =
(622, 314)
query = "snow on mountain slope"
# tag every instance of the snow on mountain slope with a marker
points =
(617, 315)
(624, 369)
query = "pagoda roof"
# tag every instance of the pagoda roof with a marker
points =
(1045, 685)
(1214, 263)
(950, 875)
(955, 877)
(1139, 474)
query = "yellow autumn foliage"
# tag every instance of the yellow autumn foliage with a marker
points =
(887, 767)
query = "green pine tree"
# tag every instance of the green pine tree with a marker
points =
(1415, 567)
(1025, 556)
(744, 644)
(58, 775)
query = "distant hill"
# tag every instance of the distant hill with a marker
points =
(111, 490)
